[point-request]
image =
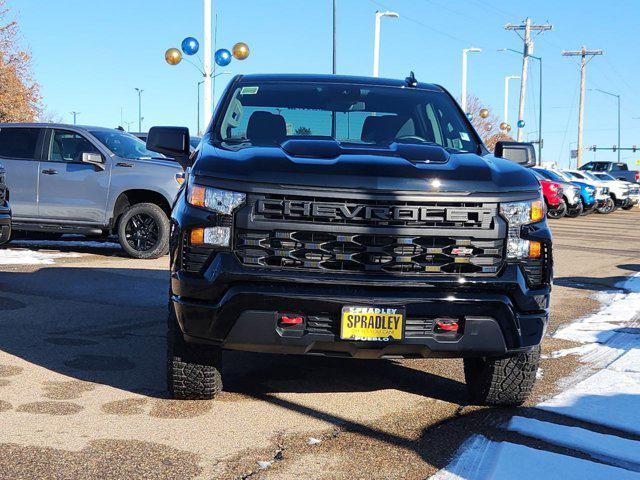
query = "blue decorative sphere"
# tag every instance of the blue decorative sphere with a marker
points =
(190, 46)
(222, 57)
(520, 123)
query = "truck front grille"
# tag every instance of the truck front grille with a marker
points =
(382, 253)
(3, 189)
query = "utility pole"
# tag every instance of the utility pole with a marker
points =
(528, 27)
(198, 114)
(583, 53)
(75, 114)
(208, 105)
(333, 70)
(139, 90)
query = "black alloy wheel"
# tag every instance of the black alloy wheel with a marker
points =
(141, 232)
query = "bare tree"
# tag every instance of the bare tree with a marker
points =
(488, 128)
(19, 93)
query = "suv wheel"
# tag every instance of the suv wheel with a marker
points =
(559, 211)
(192, 370)
(505, 381)
(143, 231)
(575, 211)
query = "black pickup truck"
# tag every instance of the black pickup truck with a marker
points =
(354, 217)
(619, 171)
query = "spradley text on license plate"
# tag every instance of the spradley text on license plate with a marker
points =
(372, 323)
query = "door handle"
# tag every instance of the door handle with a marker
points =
(50, 171)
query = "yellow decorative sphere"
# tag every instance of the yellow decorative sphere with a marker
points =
(508, 128)
(484, 113)
(503, 126)
(173, 56)
(240, 51)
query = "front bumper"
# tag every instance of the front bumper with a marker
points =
(5, 223)
(238, 308)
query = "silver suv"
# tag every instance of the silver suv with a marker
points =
(89, 180)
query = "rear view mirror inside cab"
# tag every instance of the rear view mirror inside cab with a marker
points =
(521, 153)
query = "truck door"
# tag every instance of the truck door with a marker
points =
(20, 149)
(72, 191)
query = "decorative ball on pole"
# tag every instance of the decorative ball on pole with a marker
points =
(190, 46)
(520, 123)
(504, 125)
(240, 51)
(173, 56)
(222, 57)
(484, 113)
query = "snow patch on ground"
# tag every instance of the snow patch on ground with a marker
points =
(608, 398)
(30, 257)
(484, 459)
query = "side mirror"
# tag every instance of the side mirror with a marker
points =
(520, 153)
(170, 141)
(93, 159)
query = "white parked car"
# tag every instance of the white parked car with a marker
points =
(628, 193)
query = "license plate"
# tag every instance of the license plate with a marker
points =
(373, 324)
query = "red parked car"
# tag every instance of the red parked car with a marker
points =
(552, 191)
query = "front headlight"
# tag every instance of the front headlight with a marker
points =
(222, 202)
(214, 199)
(518, 214)
(523, 213)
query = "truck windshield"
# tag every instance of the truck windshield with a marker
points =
(269, 113)
(124, 144)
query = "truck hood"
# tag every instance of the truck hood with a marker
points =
(381, 169)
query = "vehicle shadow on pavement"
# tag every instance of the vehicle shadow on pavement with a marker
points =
(595, 284)
(108, 326)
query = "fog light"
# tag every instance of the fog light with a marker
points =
(216, 236)
(517, 247)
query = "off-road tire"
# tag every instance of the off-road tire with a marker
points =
(627, 207)
(192, 370)
(161, 247)
(503, 381)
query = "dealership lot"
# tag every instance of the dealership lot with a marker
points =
(82, 377)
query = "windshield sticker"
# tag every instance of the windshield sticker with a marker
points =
(249, 90)
(464, 136)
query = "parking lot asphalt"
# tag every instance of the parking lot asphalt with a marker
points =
(82, 378)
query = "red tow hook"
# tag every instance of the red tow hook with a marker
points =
(291, 320)
(446, 325)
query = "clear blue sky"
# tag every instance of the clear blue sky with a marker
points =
(89, 55)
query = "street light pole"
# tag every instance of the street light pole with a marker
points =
(618, 97)
(75, 114)
(207, 60)
(506, 96)
(198, 88)
(376, 39)
(139, 90)
(463, 95)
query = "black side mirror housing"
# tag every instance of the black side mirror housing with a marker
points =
(519, 152)
(170, 141)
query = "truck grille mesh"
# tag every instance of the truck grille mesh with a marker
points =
(392, 254)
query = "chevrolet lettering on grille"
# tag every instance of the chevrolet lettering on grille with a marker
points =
(300, 209)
